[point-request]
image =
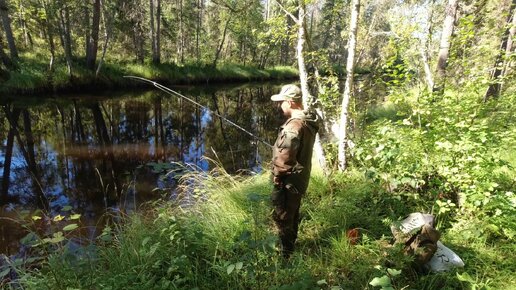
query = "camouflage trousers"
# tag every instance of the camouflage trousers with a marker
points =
(286, 201)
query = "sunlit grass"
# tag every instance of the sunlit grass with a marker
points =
(33, 74)
(218, 235)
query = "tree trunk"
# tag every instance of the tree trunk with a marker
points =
(348, 88)
(6, 23)
(181, 37)
(81, 136)
(107, 36)
(100, 125)
(495, 87)
(308, 99)
(155, 26)
(41, 200)
(8, 157)
(426, 67)
(424, 51)
(93, 42)
(23, 23)
(66, 39)
(158, 31)
(3, 56)
(198, 30)
(444, 48)
(50, 37)
(152, 4)
(221, 44)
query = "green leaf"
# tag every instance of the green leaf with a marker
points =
(239, 266)
(230, 269)
(393, 272)
(75, 216)
(4, 273)
(56, 239)
(70, 227)
(322, 282)
(383, 281)
(465, 277)
(67, 208)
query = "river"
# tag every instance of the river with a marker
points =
(92, 154)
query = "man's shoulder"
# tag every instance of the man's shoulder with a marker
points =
(293, 124)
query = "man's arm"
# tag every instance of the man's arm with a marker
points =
(286, 151)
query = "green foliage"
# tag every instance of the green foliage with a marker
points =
(394, 73)
(33, 75)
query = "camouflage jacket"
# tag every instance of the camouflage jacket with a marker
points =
(292, 151)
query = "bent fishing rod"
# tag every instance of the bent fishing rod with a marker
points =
(172, 92)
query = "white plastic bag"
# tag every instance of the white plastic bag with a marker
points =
(444, 259)
(414, 221)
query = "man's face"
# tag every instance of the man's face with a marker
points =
(283, 108)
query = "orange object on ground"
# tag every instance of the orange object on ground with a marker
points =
(353, 236)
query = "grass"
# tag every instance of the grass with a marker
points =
(221, 237)
(32, 75)
(219, 234)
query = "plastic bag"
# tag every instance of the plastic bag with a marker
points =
(444, 259)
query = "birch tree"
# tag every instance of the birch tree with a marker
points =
(444, 47)
(505, 50)
(308, 99)
(348, 87)
(65, 33)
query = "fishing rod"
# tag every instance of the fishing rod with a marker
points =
(172, 92)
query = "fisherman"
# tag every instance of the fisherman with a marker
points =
(291, 163)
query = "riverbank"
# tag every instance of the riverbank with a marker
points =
(218, 234)
(33, 76)
(224, 240)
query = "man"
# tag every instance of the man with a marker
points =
(291, 164)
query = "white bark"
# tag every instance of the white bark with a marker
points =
(426, 67)
(303, 78)
(444, 48)
(348, 88)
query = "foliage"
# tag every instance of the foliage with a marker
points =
(32, 75)
(449, 154)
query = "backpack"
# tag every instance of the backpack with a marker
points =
(418, 236)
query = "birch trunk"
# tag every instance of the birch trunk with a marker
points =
(348, 88)
(308, 99)
(444, 48)
(107, 37)
(64, 27)
(495, 87)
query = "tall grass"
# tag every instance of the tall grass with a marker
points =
(219, 235)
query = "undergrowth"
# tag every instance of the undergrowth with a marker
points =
(452, 157)
(33, 74)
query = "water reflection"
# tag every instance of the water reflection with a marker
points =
(92, 152)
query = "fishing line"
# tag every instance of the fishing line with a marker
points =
(172, 92)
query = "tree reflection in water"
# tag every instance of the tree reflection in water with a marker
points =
(90, 152)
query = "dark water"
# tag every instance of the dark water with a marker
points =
(92, 154)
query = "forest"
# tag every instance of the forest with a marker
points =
(110, 183)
